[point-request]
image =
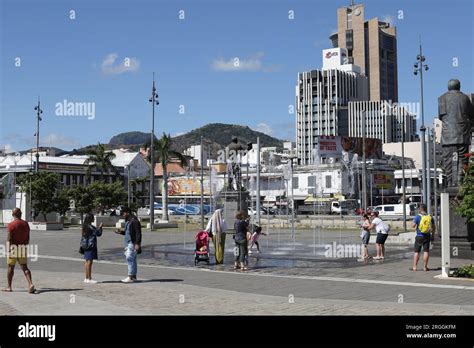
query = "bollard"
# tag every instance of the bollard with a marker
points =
(445, 256)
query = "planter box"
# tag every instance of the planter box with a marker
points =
(163, 224)
(45, 226)
(400, 238)
(108, 221)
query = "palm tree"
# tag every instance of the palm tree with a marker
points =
(163, 155)
(101, 159)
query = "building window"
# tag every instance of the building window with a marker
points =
(312, 181)
(328, 181)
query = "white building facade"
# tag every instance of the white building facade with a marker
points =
(322, 97)
(383, 120)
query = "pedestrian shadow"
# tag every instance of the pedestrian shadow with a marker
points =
(142, 281)
(40, 291)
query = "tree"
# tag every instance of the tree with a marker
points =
(163, 155)
(106, 196)
(45, 189)
(62, 202)
(137, 188)
(101, 159)
(466, 206)
(83, 199)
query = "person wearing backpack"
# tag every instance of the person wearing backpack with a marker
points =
(382, 229)
(89, 245)
(425, 226)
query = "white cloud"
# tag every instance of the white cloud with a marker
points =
(178, 134)
(109, 67)
(252, 63)
(60, 141)
(264, 128)
(389, 19)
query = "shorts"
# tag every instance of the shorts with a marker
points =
(422, 241)
(19, 254)
(11, 261)
(381, 238)
(365, 235)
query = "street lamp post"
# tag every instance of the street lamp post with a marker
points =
(364, 179)
(435, 184)
(403, 176)
(257, 196)
(38, 119)
(30, 174)
(202, 186)
(428, 169)
(154, 101)
(419, 66)
(128, 184)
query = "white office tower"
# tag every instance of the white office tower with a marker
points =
(322, 98)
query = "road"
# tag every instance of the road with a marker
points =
(287, 278)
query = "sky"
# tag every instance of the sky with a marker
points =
(104, 53)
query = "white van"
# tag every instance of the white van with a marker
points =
(394, 209)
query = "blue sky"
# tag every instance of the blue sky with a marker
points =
(81, 60)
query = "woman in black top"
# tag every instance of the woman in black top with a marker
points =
(240, 238)
(89, 245)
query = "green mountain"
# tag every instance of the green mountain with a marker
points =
(215, 135)
(219, 135)
(130, 138)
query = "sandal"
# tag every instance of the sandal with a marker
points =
(7, 290)
(32, 290)
(426, 269)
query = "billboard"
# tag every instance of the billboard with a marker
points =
(329, 146)
(383, 180)
(340, 146)
(186, 186)
(333, 58)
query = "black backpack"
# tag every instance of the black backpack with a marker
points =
(88, 242)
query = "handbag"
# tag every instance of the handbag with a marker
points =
(81, 251)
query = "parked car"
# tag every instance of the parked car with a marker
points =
(394, 209)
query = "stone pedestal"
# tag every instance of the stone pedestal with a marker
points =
(461, 233)
(231, 202)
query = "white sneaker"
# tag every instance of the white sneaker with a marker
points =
(128, 280)
(92, 281)
(86, 280)
(250, 252)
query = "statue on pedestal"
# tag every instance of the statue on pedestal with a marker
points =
(456, 113)
(234, 173)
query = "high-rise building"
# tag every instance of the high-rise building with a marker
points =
(371, 45)
(388, 122)
(322, 97)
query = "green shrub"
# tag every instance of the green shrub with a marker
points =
(466, 271)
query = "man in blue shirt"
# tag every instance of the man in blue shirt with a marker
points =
(132, 243)
(425, 226)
